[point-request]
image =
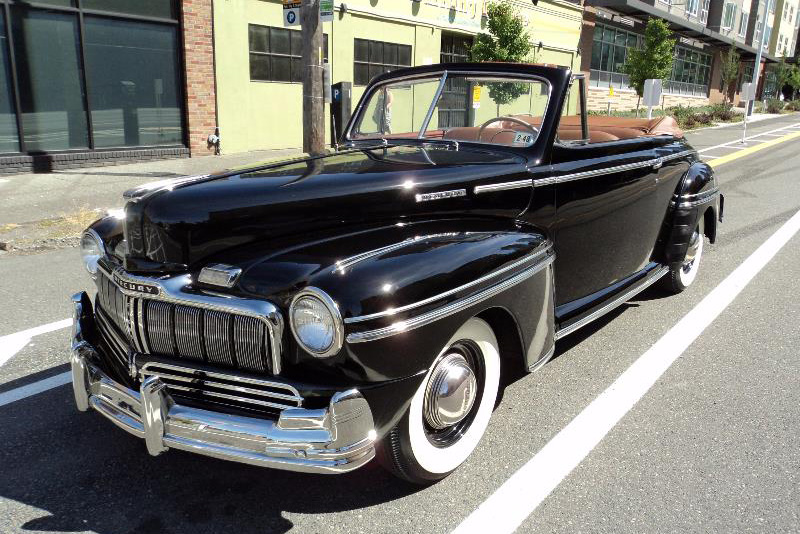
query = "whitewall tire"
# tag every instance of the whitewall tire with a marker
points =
(450, 410)
(681, 276)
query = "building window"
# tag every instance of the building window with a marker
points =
(132, 68)
(690, 73)
(747, 74)
(90, 74)
(691, 7)
(743, 24)
(767, 35)
(276, 53)
(728, 15)
(373, 58)
(9, 139)
(609, 52)
(704, 12)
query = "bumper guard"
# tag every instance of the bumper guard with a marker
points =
(336, 439)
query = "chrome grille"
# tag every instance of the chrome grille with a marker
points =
(187, 332)
(240, 392)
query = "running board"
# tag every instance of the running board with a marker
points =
(621, 299)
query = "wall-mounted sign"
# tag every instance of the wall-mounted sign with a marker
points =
(291, 12)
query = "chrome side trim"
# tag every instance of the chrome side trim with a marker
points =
(609, 170)
(504, 186)
(696, 196)
(343, 265)
(613, 304)
(450, 309)
(693, 204)
(543, 360)
(393, 311)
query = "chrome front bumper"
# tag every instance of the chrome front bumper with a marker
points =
(336, 439)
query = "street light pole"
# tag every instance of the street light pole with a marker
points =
(313, 108)
(757, 66)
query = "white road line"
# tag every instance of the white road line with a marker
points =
(521, 494)
(782, 129)
(13, 343)
(33, 389)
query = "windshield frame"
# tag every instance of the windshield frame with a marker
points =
(441, 75)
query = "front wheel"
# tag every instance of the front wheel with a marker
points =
(449, 411)
(682, 276)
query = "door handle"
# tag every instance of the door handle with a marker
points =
(657, 164)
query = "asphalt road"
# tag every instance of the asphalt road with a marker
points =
(714, 446)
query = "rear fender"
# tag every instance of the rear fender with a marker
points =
(696, 196)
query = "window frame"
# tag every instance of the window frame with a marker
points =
(692, 7)
(290, 56)
(8, 6)
(387, 67)
(743, 22)
(728, 16)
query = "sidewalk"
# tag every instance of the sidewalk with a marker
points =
(45, 211)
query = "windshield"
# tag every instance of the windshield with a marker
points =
(492, 109)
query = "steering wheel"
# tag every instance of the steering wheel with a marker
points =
(510, 119)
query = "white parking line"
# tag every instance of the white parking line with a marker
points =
(521, 494)
(738, 141)
(33, 389)
(13, 343)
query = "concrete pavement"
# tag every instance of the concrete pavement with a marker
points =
(713, 447)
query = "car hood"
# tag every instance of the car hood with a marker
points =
(178, 224)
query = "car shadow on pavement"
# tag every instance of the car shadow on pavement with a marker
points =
(76, 472)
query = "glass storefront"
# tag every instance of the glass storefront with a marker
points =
(95, 74)
(691, 69)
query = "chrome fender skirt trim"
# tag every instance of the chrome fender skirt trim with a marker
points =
(454, 307)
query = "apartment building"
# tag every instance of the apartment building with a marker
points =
(703, 29)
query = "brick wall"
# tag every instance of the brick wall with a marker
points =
(626, 100)
(198, 47)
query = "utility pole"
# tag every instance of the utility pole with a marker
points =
(313, 108)
(757, 66)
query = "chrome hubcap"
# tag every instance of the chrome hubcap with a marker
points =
(691, 252)
(450, 393)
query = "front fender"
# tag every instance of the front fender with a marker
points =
(395, 287)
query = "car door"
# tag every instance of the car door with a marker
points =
(607, 219)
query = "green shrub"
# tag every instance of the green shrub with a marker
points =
(774, 105)
(722, 112)
(792, 105)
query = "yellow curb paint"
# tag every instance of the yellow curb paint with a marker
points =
(749, 150)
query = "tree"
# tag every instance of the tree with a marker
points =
(783, 73)
(507, 42)
(794, 80)
(654, 60)
(729, 70)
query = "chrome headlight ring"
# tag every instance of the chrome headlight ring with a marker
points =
(323, 335)
(92, 249)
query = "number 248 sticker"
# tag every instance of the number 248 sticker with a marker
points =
(524, 139)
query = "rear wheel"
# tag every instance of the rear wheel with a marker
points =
(449, 411)
(682, 276)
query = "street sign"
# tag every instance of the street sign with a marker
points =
(748, 92)
(291, 12)
(652, 95)
(326, 10)
(652, 92)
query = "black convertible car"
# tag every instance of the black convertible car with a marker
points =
(312, 314)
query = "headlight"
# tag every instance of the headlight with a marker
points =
(91, 250)
(316, 322)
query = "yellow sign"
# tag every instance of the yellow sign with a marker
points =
(476, 97)
(610, 91)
